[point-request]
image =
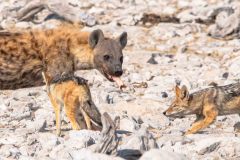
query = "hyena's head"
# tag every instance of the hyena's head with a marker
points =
(180, 105)
(108, 56)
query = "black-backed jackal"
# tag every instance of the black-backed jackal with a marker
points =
(207, 104)
(73, 94)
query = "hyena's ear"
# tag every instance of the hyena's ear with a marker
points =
(122, 39)
(177, 91)
(95, 37)
(184, 92)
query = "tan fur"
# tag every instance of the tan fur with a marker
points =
(74, 98)
(207, 104)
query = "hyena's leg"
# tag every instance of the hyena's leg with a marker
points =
(71, 112)
(210, 115)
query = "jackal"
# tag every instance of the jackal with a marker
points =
(24, 56)
(207, 104)
(74, 95)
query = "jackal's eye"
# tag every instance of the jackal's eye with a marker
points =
(106, 57)
(121, 59)
(179, 108)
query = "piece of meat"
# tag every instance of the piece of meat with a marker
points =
(119, 82)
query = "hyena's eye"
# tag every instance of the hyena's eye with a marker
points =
(106, 57)
(121, 59)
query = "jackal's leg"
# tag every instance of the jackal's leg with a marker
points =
(71, 112)
(210, 116)
(86, 118)
(58, 119)
(57, 110)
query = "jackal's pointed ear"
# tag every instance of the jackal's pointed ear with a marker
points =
(123, 39)
(184, 92)
(177, 91)
(95, 37)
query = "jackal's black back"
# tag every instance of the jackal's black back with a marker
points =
(232, 90)
(69, 77)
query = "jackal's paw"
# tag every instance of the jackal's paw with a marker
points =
(58, 133)
(188, 132)
(76, 127)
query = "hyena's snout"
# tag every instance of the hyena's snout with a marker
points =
(118, 70)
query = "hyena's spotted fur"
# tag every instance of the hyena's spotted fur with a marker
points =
(23, 56)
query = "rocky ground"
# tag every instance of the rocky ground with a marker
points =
(169, 41)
